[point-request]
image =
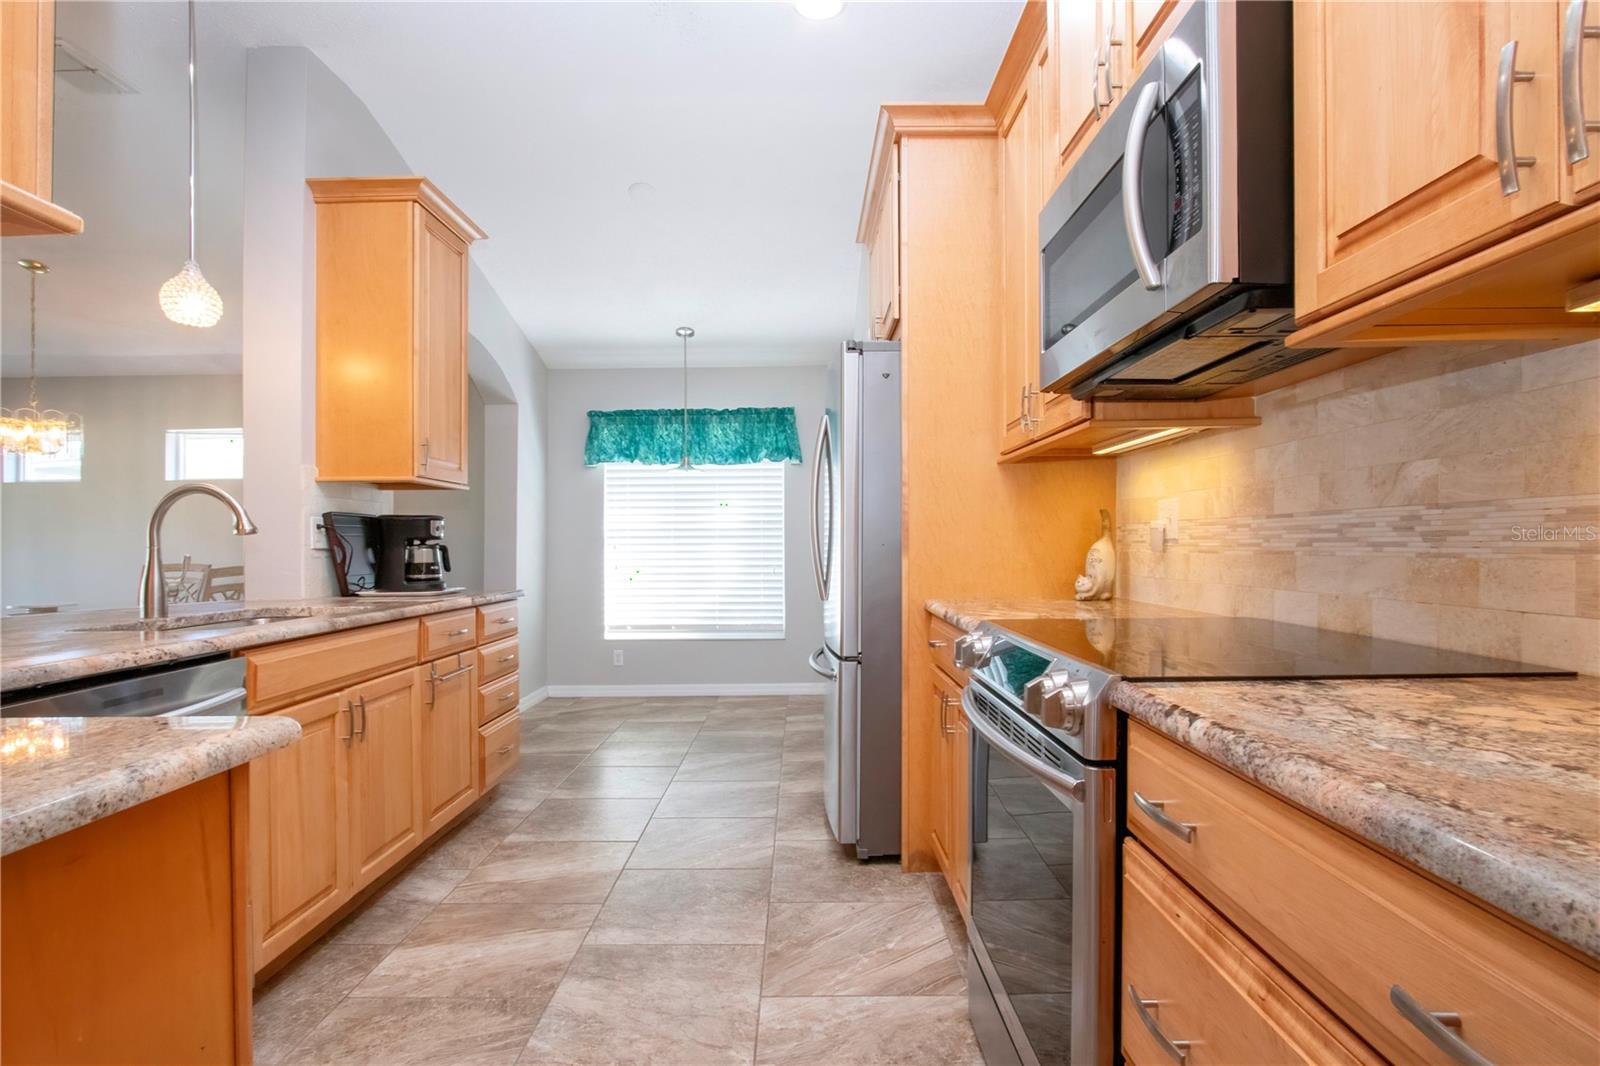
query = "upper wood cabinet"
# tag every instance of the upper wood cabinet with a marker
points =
(27, 121)
(879, 230)
(1580, 96)
(391, 333)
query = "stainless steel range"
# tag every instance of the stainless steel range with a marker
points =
(1045, 803)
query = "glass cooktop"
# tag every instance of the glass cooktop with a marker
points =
(1216, 648)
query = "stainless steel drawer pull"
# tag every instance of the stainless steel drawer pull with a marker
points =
(1573, 122)
(507, 696)
(1441, 1027)
(1178, 1049)
(458, 632)
(1156, 812)
(504, 621)
(1505, 135)
(502, 751)
(509, 657)
(938, 643)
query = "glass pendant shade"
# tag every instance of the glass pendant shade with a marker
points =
(33, 430)
(189, 300)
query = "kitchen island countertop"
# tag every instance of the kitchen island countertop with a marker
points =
(1489, 784)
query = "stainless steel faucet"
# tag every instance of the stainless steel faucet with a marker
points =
(152, 584)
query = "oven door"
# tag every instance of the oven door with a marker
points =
(1042, 915)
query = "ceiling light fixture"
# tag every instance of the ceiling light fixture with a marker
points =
(1584, 297)
(818, 10)
(30, 430)
(1127, 444)
(685, 332)
(187, 297)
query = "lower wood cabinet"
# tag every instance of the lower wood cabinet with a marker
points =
(1192, 983)
(385, 789)
(499, 745)
(449, 729)
(949, 820)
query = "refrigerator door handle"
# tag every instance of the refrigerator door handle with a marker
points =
(818, 668)
(839, 656)
(822, 560)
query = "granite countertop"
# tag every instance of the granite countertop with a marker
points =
(57, 774)
(48, 648)
(966, 614)
(1489, 784)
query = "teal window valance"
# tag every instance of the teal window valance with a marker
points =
(717, 437)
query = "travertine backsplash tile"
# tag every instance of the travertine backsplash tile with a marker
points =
(1443, 496)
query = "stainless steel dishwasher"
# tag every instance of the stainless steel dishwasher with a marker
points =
(214, 687)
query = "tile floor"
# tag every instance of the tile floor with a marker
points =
(654, 884)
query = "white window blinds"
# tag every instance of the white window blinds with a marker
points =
(694, 554)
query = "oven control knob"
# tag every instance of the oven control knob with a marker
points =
(1057, 699)
(973, 650)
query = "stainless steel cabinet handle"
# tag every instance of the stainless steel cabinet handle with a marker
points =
(509, 657)
(1441, 1027)
(1505, 136)
(1154, 810)
(938, 643)
(819, 669)
(458, 632)
(1112, 41)
(1144, 108)
(1573, 122)
(358, 728)
(351, 710)
(1178, 1049)
(435, 678)
(944, 713)
(507, 696)
(504, 621)
(502, 751)
(1094, 81)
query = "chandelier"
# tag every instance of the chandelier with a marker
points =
(31, 430)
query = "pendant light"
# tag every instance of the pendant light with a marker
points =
(685, 332)
(187, 297)
(30, 430)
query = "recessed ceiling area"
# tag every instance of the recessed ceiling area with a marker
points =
(636, 165)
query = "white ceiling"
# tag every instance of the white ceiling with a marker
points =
(752, 124)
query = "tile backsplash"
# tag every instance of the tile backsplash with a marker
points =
(1442, 496)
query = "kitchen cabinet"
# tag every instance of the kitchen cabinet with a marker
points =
(385, 786)
(879, 230)
(498, 746)
(1146, 22)
(949, 818)
(1433, 196)
(391, 333)
(27, 122)
(449, 735)
(1580, 97)
(1088, 69)
(1362, 932)
(299, 817)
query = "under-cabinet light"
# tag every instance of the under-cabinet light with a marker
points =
(1585, 297)
(1130, 443)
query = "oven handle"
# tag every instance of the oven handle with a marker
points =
(1050, 775)
(1144, 108)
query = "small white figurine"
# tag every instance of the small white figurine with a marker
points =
(1100, 566)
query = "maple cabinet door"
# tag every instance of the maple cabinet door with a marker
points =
(441, 345)
(449, 740)
(385, 773)
(1400, 116)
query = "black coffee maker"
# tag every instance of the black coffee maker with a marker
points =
(412, 556)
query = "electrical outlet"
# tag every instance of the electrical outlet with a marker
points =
(316, 539)
(616, 657)
(1167, 511)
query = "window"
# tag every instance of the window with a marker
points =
(203, 454)
(694, 554)
(65, 465)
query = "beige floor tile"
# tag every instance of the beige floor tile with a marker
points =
(544, 771)
(728, 766)
(802, 773)
(801, 816)
(719, 799)
(615, 782)
(483, 950)
(738, 741)
(323, 971)
(704, 844)
(543, 740)
(638, 753)
(821, 870)
(538, 871)
(276, 1026)
(464, 846)
(867, 1031)
(682, 1005)
(655, 732)
(684, 907)
(424, 1032)
(587, 819)
(892, 948)
(382, 921)
(428, 880)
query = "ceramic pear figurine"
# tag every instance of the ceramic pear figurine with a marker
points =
(1100, 566)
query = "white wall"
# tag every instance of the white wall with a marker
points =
(462, 511)
(82, 542)
(580, 656)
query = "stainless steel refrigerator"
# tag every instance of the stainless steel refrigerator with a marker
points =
(855, 551)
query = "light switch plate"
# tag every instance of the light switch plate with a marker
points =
(616, 657)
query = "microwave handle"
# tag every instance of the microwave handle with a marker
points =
(1144, 108)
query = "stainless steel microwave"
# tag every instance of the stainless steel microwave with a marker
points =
(1166, 254)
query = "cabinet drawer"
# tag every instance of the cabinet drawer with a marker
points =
(1359, 929)
(942, 646)
(498, 749)
(498, 697)
(1214, 989)
(281, 673)
(497, 659)
(496, 621)
(445, 633)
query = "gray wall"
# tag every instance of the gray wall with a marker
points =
(580, 656)
(82, 542)
(462, 511)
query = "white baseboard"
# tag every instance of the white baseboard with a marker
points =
(791, 688)
(534, 698)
